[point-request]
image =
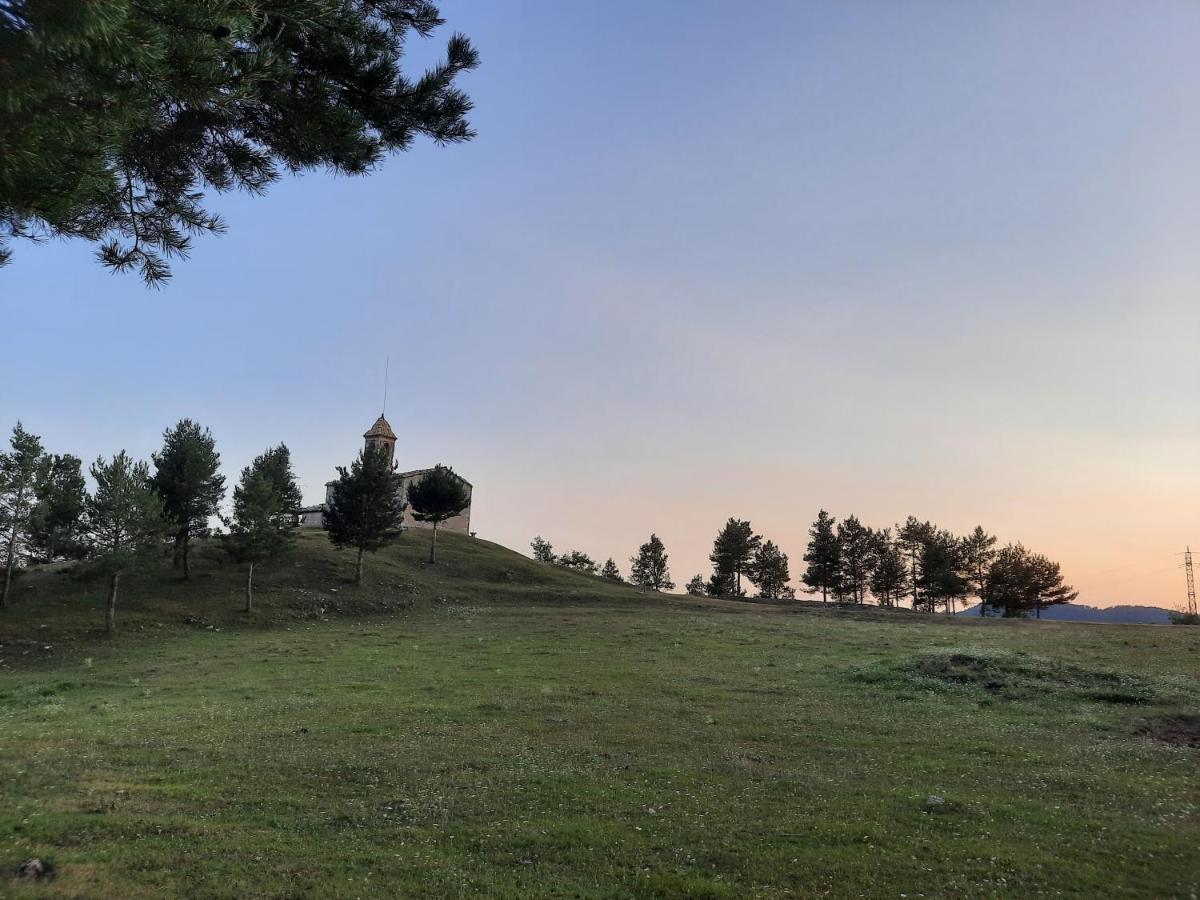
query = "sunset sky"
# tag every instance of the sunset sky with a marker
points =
(708, 260)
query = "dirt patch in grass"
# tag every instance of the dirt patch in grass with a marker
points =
(1181, 730)
(1014, 675)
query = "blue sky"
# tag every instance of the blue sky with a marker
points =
(705, 261)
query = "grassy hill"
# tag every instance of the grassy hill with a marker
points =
(491, 726)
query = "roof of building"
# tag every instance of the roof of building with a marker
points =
(381, 428)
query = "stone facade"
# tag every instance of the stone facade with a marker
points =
(381, 435)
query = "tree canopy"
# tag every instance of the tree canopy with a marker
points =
(115, 117)
(187, 478)
(124, 520)
(649, 566)
(18, 474)
(823, 557)
(769, 571)
(1020, 582)
(733, 555)
(366, 508)
(61, 496)
(264, 513)
(437, 496)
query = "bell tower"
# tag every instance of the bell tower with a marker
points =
(381, 435)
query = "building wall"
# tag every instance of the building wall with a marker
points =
(311, 518)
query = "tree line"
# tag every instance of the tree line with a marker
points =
(648, 567)
(848, 562)
(135, 514)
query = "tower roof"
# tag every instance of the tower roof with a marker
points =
(381, 428)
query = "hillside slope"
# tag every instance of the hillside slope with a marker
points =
(494, 727)
(56, 605)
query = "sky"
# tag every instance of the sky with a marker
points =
(712, 260)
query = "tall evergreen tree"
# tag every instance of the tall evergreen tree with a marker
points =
(115, 116)
(1019, 582)
(979, 549)
(890, 573)
(770, 571)
(610, 571)
(823, 557)
(18, 474)
(649, 569)
(943, 579)
(856, 553)
(275, 464)
(366, 507)
(439, 495)
(188, 481)
(733, 552)
(911, 538)
(57, 520)
(264, 513)
(124, 521)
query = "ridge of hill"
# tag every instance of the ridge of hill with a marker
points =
(1113, 615)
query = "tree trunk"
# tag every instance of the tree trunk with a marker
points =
(187, 568)
(110, 616)
(250, 588)
(11, 561)
(358, 568)
(433, 545)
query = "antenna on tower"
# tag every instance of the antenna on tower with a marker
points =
(1191, 581)
(386, 366)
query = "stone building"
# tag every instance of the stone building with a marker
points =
(380, 435)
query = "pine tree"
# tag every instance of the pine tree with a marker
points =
(1019, 582)
(124, 521)
(979, 549)
(890, 573)
(911, 538)
(57, 518)
(943, 579)
(822, 558)
(733, 552)
(366, 506)
(439, 495)
(696, 587)
(578, 561)
(610, 571)
(649, 569)
(18, 474)
(856, 552)
(187, 479)
(264, 513)
(275, 464)
(116, 115)
(769, 571)
(543, 550)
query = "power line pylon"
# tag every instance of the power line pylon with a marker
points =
(1191, 581)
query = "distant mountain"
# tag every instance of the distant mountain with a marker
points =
(1113, 615)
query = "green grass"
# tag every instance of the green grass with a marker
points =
(489, 726)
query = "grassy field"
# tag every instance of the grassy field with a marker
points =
(494, 727)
